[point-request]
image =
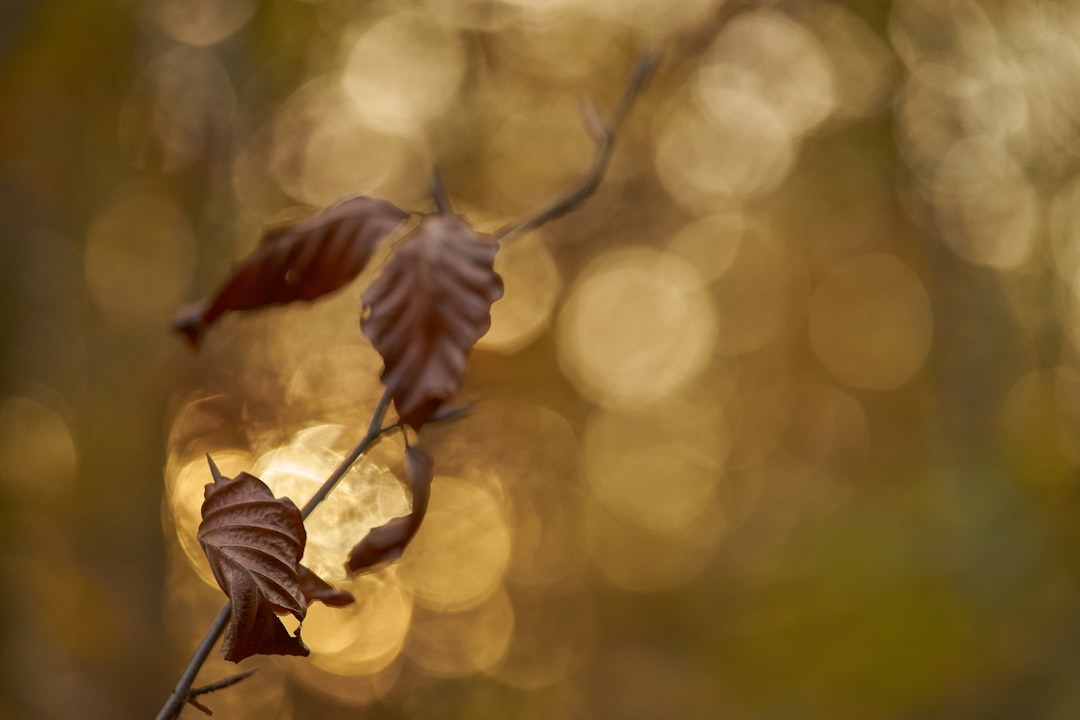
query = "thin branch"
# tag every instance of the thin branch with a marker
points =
(214, 687)
(182, 693)
(374, 433)
(604, 137)
(223, 683)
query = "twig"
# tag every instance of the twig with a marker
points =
(182, 693)
(214, 687)
(375, 431)
(604, 137)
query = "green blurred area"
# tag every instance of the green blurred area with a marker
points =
(784, 423)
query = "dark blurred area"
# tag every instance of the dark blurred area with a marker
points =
(783, 423)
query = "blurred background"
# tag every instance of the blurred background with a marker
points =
(784, 423)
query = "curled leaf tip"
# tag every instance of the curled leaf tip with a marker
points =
(213, 468)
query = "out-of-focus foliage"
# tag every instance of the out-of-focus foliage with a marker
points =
(785, 422)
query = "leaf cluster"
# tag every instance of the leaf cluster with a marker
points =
(423, 314)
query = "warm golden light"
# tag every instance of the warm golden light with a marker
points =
(396, 92)
(459, 557)
(140, 254)
(987, 210)
(752, 296)
(176, 109)
(633, 558)
(202, 22)
(38, 458)
(364, 638)
(185, 480)
(863, 65)
(636, 326)
(659, 467)
(533, 284)
(323, 150)
(711, 243)
(368, 496)
(554, 634)
(870, 322)
(709, 162)
(773, 58)
(463, 643)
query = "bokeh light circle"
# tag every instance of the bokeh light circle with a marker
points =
(460, 555)
(532, 285)
(775, 58)
(404, 70)
(986, 208)
(705, 161)
(658, 467)
(37, 448)
(636, 326)
(460, 644)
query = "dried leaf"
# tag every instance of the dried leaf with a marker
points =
(254, 543)
(301, 261)
(315, 588)
(427, 309)
(387, 542)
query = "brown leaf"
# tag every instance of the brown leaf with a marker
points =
(387, 542)
(301, 261)
(254, 542)
(427, 309)
(315, 588)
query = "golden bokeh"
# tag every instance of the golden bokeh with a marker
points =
(871, 322)
(861, 88)
(362, 639)
(533, 284)
(752, 295)
(635, 327)
(396, 92)
(986, 207)
(140, 256)
(710, 162)
(640, 559)
(554, 635)
(658, 467)
(459, 557)
(771, 57)
(202, 22)
(783, 420)
(324, 150)
(368, 496)
(176, 109)
(711, 243)
(459, 644)
(185, 481)
(38, 458)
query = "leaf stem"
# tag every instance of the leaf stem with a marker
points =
(439, 193)
(182, 692)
